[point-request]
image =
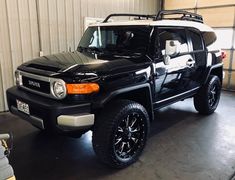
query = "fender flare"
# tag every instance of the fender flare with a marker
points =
(209, 69)
(111, 95)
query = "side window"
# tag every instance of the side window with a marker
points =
(179, 35)
(93, 41)
(100, 38)
(196, 40)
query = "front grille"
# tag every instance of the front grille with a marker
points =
(38, 84)
(35, 84)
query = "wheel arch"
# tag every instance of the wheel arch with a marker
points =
(216, 70)
(139, 93)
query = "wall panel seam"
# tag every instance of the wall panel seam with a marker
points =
(9, 37)
(30, 26)
(57, 24)
(66, 31)
(21, 47)
(11, 57)
(231, 57)
(74, 43)
(49, 24)
(38, 25)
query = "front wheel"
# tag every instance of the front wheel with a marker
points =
(207, 98)
(120, 133)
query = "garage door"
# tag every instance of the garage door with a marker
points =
(219, 14)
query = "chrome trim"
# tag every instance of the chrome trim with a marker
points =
(217, 65)
(41, 78)
(70, 67)
(79, 120)
(87, 74)
(190, 63)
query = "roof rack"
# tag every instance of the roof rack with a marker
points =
(160, 16)
(140, 16)
(185, 15)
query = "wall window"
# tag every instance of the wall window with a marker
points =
(224, 37)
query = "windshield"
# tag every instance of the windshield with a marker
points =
(117, 40)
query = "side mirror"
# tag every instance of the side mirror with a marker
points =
(172, 47)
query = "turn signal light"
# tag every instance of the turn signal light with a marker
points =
(223, 54)
(82, 88)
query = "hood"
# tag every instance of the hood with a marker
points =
(77, 62)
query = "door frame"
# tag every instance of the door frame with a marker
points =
(169, 100)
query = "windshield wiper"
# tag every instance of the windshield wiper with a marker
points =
(127, 53)
(90, 49)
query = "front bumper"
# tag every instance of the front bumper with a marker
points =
(47, 113)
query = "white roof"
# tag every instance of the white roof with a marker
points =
(178, 23)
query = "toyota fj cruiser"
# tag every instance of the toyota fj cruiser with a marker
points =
(119, 75)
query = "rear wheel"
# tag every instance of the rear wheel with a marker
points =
(120, 133)
(207, 98)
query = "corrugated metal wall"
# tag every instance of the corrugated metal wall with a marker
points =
(219, 14)
(30, 26)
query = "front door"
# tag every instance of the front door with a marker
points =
(173, 73)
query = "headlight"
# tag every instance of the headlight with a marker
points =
(18, 78)
(59, 89)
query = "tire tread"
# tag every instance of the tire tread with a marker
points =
(104, 126)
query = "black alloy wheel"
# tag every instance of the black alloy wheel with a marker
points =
(207, 98)
(120, 133)
(213, 94)
(129, 136)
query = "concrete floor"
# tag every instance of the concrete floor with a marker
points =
(182, 145)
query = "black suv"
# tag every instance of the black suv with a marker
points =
(119, 75)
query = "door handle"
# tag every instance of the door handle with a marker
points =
(190, 62)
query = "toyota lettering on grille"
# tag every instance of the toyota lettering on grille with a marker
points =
(33, 83)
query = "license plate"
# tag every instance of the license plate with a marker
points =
(23, 107)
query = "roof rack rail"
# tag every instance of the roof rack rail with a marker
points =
(130, 15)
(185, 15)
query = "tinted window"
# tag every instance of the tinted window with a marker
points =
(117, 39)
(173, 34)
(196, 41)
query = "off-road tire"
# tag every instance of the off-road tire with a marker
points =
(111, 124)
(207, 98)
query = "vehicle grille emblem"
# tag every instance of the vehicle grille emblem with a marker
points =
(33, 83)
